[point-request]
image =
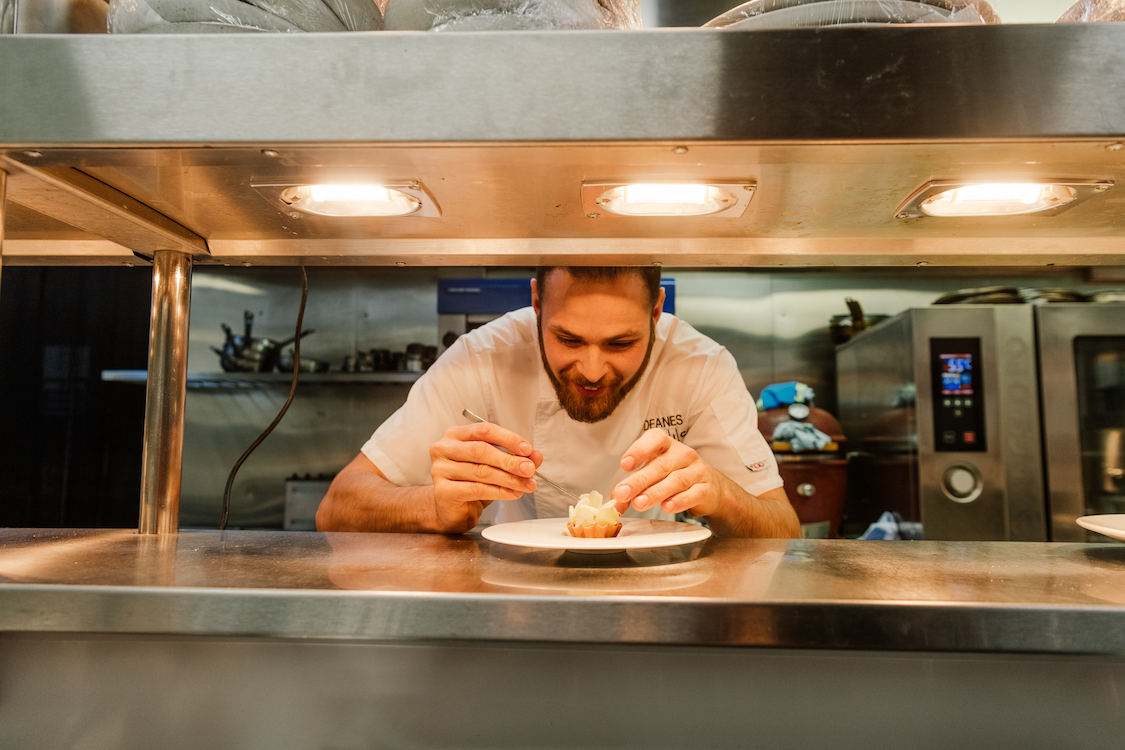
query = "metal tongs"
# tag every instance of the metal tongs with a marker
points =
(469, 415)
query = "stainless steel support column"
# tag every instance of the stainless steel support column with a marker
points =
(3, 190)
(167, 385)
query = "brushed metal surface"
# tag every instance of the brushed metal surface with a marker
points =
(1058, 325)
(1017, 380)
(139, 692)
(927, 596)
(83, 202)
(256, 380)
(3, 214)
(830, 204)
(837, 127)
(873, 372)
(162, 456)
(853, 84)
(1008, 390)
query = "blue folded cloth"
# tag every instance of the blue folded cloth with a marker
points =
(890, 526)
(885, 527)
(801, 436)
(783, 394)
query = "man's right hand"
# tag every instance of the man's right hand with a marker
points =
(470, 470)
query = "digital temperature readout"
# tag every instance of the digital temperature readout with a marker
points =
(957, 390)
(956, 374)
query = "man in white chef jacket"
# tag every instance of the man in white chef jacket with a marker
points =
(594, 386)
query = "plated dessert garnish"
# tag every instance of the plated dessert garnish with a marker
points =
(592, 519)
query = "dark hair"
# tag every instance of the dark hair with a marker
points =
(649, 276)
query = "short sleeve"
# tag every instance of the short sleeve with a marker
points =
(400, 447)
(725, 432)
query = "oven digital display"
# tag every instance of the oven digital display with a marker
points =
(958, 393)
(956, 374)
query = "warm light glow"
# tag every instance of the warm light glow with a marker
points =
(999, 192)
(694, 194)
(997, 199)
(351, 200)
(323, 193)
(666, 200)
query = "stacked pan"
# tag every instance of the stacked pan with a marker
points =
(765, 14)
(227, 16)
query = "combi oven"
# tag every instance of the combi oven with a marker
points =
(988, 422)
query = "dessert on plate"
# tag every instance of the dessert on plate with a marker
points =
(591, 519)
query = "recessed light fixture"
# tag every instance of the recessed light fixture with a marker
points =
(351, 199)
(667, 198)
(949, 198)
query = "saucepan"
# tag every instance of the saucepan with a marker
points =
(247, 354)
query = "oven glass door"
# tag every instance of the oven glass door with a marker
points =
(1082, 398)
(1100, 378)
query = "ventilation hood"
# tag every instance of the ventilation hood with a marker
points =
(118, 146)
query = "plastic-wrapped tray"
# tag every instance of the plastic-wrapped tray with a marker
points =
(1092, 11)
(233, 16)
(507, 15)
(790, 13)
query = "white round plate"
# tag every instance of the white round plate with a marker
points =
(1110, 524)
(636, 533)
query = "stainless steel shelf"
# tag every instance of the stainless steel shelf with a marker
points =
(836, 126)
(251, 380)
(826, 594)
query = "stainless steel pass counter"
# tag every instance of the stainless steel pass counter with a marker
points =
(271, 639)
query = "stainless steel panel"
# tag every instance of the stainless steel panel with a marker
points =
(874, 373)
(1016, 389)
(74, 197)
(1058, 325)
(1028, 82)
(3, 215)
(330, 418)
(164, 404)
(515, 205)
(504, 149)
(323, 430)
(177, 693)
(929, 596)
(1010, 506)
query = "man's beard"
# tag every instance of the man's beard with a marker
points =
(590, 410)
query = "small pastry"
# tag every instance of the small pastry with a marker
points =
(591, 519)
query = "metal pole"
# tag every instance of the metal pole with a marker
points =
(167, 386)
(3, 190)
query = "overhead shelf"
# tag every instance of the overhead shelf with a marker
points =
(122, 145)
(258, 380)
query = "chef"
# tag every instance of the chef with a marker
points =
(593, 386)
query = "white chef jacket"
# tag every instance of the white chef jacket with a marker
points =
(692, 390)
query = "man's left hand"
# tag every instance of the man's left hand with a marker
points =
(672, 475)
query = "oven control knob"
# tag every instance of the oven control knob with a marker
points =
(961, 483)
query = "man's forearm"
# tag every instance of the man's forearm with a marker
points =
(742, 514)
(361, 499)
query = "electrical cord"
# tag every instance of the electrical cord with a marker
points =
(285, 408)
